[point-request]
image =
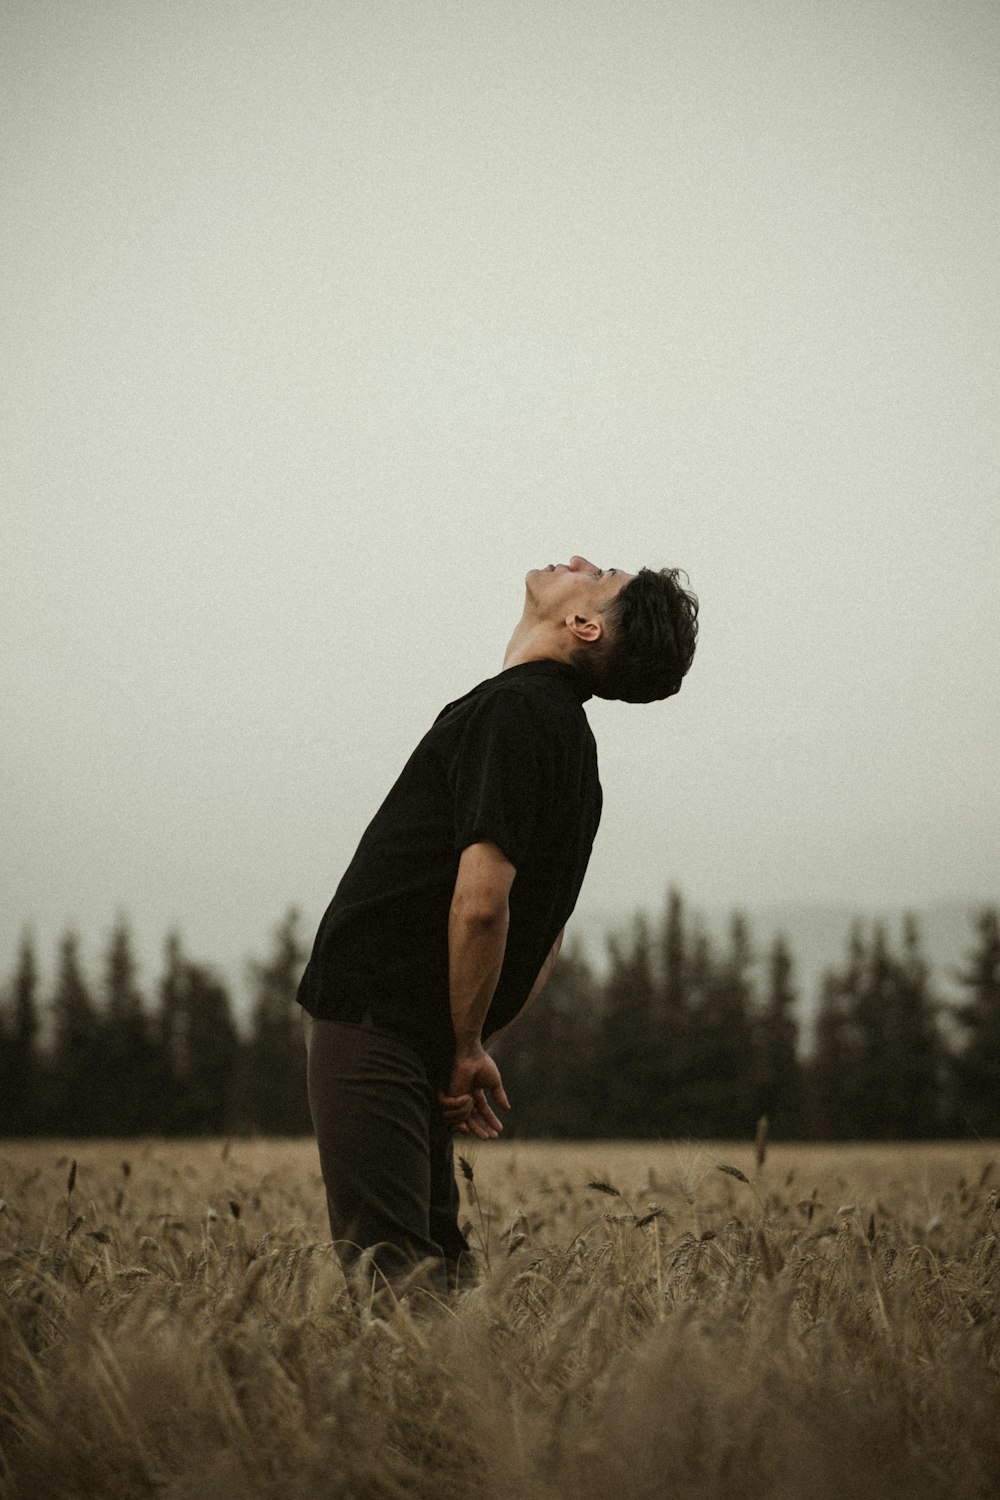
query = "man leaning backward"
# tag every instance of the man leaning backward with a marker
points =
(448, 920)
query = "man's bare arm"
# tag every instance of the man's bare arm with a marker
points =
(477, 941)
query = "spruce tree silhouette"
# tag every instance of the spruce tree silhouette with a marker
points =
(273, 1093)
(976, 1091)
(79, 1099)
(125, 1040)
(24, 1105)
(779, 1089)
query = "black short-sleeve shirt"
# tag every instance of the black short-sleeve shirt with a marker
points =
(513, 761)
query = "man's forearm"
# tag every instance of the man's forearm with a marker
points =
(476, 946)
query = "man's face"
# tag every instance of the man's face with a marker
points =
(578, 587)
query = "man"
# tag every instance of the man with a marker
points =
(449, 918)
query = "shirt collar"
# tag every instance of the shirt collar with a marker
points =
(558, 671)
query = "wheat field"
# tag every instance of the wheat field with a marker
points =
(657, 1320)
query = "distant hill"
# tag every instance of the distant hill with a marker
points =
(817, 934)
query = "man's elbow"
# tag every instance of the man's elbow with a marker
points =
(483, 911)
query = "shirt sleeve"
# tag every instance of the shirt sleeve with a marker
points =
(502, 776)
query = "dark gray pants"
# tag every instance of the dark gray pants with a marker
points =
(386, 1156)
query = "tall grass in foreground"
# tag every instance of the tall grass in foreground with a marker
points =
(827, 1325)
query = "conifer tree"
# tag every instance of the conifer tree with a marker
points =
(732, 1022)
(694, 1098)
(169, 1059)
(674, 950)
(23, 1106)
(274, 1096)
(916, 1054)
(720, 1096)
(779, 1077)
(549, 1059)
(871, 1029)
(8, 1102)
(208, 1090)
(668, 1048)
(830, 1070)
(826, 1105)
(977, 1064)
(893, 1070)
(626, 1092)
(77, 1082)
(126, 1041)
(195, 1051)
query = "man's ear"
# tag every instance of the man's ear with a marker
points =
(585, 627)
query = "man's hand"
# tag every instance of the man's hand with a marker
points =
(465, 1104)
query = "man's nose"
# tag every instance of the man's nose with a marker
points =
(581, 562)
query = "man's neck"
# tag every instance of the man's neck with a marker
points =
(533, 640)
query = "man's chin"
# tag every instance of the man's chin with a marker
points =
(532, 582)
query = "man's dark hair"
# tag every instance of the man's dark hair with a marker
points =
(652, 628)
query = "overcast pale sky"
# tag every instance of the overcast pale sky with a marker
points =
(323, 322)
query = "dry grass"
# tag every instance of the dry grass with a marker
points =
(827, 1326)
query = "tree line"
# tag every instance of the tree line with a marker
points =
(681, 1037)
(118, 1062)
